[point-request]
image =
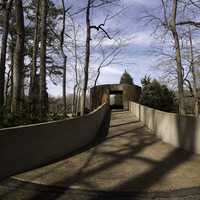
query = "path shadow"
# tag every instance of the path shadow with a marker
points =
(121, 124)
(140, 183)
(119, 156)
(100, 137)
(186, 133)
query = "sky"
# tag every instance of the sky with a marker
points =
(136, 56)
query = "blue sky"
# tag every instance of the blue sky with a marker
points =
(136, 57)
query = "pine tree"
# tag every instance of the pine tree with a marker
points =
(126, 78)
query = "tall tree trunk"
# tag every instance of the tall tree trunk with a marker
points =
(18, 67)
(43, 37)
(75, 97)
(7, 84)
(87, 57)
(196, 103)
(32, 89)
(64, 86)
(62, 38)
(78, 94)
(11, 51)
(6, 14)
(178, 58)
(97, 77)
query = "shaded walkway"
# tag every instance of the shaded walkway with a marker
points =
(130, 160)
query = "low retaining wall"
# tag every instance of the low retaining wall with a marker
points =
(180, 131)
(27, 147)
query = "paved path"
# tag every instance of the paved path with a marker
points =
(130, 164)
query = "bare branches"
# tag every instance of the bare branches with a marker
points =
(100, 28)
(96, 4)
(174, 19)
(195, 3)
(193, 23)
(107, 60)
(164, 12)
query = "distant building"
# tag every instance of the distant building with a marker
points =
(117, 95)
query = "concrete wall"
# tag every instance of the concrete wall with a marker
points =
(101, 94)
(27, 147)
(179, 131)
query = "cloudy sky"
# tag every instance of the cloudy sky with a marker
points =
(136, 56)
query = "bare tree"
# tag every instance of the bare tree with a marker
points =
(192, 66)
(32, 89)
(6, 16)
(43, 37)
(18, 66)
(87, 56)
(62, 45)
(172, 24)
(89, 27)
(172, 28)
(107, 58)
(76, 60)
(169, 22)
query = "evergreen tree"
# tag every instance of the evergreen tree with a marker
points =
(156, 95)
(126, 78)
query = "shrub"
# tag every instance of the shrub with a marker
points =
(156, 95)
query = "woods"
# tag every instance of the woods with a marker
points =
(40, 44)
(44, 43)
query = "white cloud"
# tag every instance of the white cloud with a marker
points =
(147, 3)
(110, 75)
(143, 38)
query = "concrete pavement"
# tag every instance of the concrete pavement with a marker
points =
(130, 164)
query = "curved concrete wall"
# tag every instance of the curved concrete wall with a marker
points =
(27, 147)
(179, 131)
